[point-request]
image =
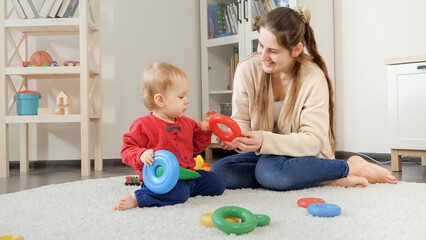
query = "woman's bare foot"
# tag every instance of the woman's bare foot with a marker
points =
(358, 166)
(128, 201)
(349, 181)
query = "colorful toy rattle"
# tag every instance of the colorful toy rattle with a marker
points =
(227, 121)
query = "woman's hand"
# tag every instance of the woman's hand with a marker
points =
(147, 157)
(249, 141)
(205, 123)
(226, 145)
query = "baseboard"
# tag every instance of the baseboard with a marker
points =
(67, 163)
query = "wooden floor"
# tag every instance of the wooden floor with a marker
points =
(44, 175)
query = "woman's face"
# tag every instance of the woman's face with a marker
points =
(274, 57)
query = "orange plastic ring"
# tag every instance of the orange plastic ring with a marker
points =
(227, 121)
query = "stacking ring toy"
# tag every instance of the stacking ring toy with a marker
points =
(305, 202)
(184, 174)
(324, 210)
(227, 121)
(248, 220)
(170, 176)
(206, 219)
(262, 220)
(11, 237)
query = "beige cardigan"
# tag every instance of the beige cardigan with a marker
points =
(308, 134)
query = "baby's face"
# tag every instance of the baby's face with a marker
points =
(176, 99)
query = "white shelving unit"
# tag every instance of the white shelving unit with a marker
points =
(216, 54)
(407, 104)
(14, 39)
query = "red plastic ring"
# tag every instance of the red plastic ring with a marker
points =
(305, 202)
(227, 121)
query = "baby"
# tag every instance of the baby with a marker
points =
(164, 90)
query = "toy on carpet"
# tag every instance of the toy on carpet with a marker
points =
(184, 174)
(164, 173)
(324, 209)
(248, 223)
(41, 57)
(227, 121)
(11, 237)
(305, 202)
(319, 208)
(132, 181)
(200, 164)
(206, 219)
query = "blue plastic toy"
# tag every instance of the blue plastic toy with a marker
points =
(324, 210)
(164, 183)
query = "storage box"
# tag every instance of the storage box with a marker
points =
(27, 102)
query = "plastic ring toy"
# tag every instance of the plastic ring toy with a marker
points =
(324, 210)
(170, 176)
(184, 174)
(262, 219)
(206, 219)
(227, 121)
(305, 202)
(248, 220)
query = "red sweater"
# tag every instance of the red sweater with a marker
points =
(150, 132)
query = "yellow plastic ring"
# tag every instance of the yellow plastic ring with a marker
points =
(206, 219)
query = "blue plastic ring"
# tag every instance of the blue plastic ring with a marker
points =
(168, 180)
(324, 210)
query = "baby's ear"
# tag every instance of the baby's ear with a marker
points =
(159, 100)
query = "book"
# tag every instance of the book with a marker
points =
(67, 9)
(55, 8)
(45, 8)
(61, 11)
(18, 9)
(28, 8)
(72, 7)
(212, 12)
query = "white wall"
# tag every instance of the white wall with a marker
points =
(366, 33)
(138, 32)
(134, 33)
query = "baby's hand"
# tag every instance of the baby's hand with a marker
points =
(205, 123)
(147, 157)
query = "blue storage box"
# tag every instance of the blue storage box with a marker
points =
(27, 102)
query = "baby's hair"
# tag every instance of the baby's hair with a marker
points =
(158, 78)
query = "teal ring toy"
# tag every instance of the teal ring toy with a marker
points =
(324, 209)
(248, 220)
(167, 181)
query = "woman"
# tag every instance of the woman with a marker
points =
(283, 102)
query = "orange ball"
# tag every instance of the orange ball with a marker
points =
(40, 57)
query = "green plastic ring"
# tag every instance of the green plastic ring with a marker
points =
(248, 220)
(262, 219)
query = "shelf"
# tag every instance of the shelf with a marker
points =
(51, 26)
(215, 42)
(47, 72)
(221, 92)
(46, 118)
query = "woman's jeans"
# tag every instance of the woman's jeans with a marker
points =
(248, 170)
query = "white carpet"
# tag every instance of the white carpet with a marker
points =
(83, 210)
